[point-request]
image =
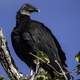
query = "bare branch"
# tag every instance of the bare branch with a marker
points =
(7, 61)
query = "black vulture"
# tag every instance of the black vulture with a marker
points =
(30, 36)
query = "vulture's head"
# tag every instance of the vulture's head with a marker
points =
(27, 9)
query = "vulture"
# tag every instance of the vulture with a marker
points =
(31, 38)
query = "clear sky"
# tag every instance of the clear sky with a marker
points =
(61, 16)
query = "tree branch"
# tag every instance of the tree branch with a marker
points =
(7, 61)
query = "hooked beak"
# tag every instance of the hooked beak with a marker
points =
(37, 10)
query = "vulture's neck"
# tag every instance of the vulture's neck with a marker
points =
(22, 19)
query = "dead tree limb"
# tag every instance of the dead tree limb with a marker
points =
(7, 61)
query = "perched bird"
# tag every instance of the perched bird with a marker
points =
(30, 36)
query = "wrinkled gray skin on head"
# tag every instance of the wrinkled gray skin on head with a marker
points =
(27, 9)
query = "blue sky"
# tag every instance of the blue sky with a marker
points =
(61, 16)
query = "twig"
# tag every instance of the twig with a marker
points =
(62, 70)
(50, 66)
